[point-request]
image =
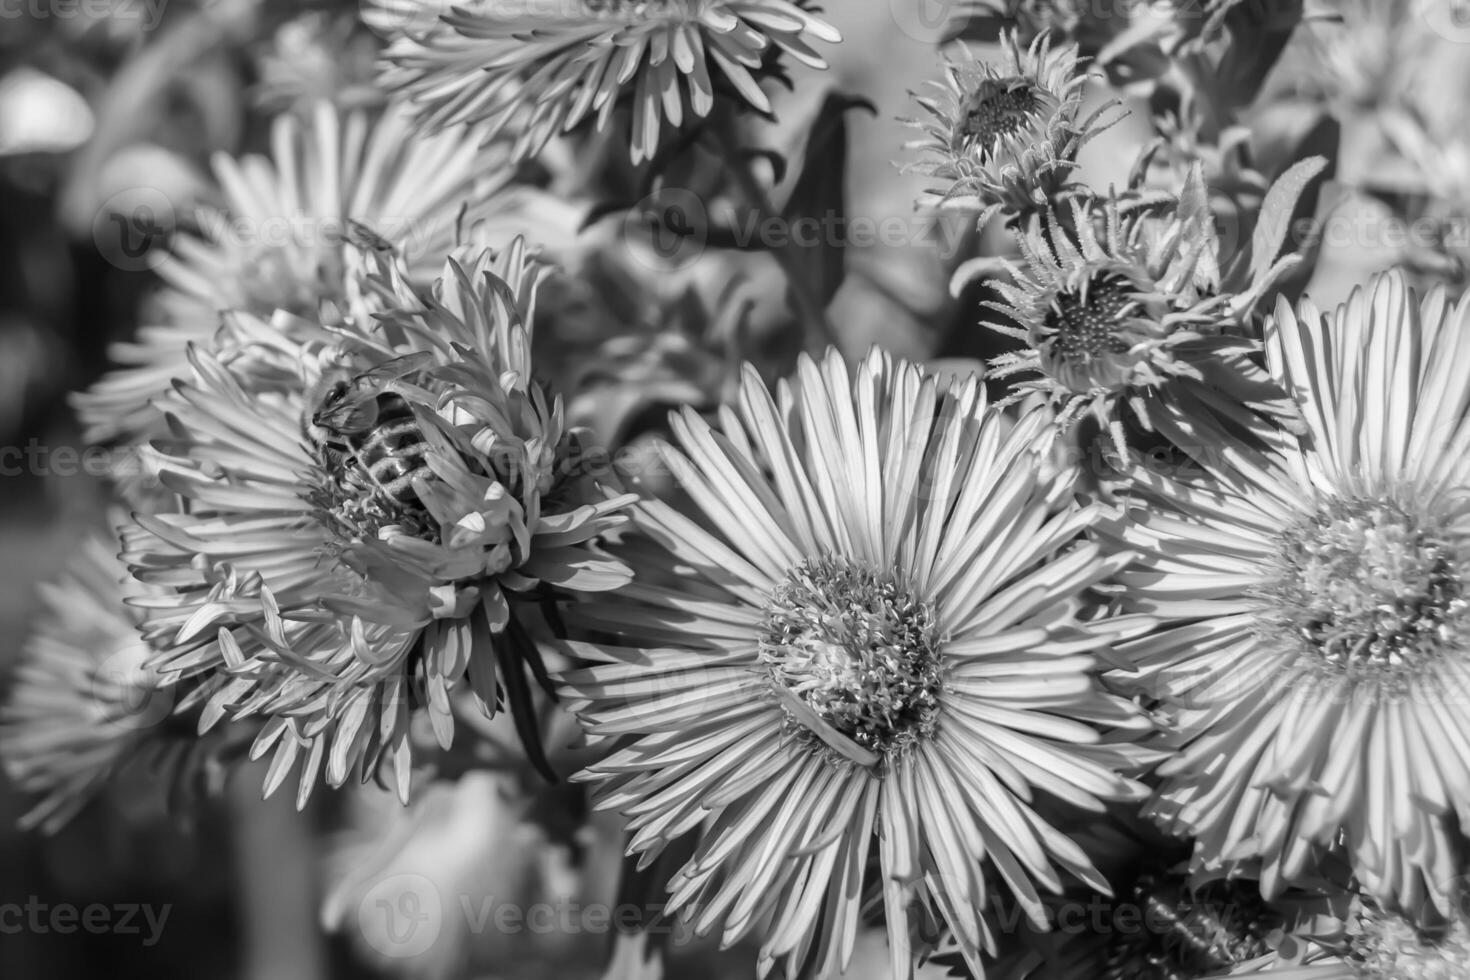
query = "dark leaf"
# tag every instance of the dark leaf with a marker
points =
(518, 653)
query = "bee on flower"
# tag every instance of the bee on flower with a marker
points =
(541, 72)
(373, 541)
(1003, 138)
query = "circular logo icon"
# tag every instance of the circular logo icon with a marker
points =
(672, 224)
(131, 226)
(927, 21)
(401, 916)
(1450, 19)
(127, 693)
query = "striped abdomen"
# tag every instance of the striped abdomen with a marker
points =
(392, 451)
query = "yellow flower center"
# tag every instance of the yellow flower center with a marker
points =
(857, 648)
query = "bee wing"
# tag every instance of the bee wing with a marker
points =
(356, 413)
(393, 370)
(361, 236)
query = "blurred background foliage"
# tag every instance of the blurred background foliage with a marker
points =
(97, 102)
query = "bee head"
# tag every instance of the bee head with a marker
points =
(336, 407)
(332, 397)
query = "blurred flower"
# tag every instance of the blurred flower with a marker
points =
(1132, 319)
(875, 622)
(1189, 25)
(1004, 138)
(1364, 54)
(1092, 26)
(489, 60)
(975, 19)
(351, 546)
(1315, 665)
(458, 839)
(40, 114)
(85, 704)
(318, 58)
(282, 242)
(1431, 190)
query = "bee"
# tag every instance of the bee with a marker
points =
(367, 433)
(360, 236)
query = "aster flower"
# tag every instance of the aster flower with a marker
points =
(1134, 320)
(1383, 946)
(351, 548)
(1004, 138)
(314, 58)
(283, 241)
(1434, 188)
(876, 621)
(489, 60)
(84, 704)
(1316, 658)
